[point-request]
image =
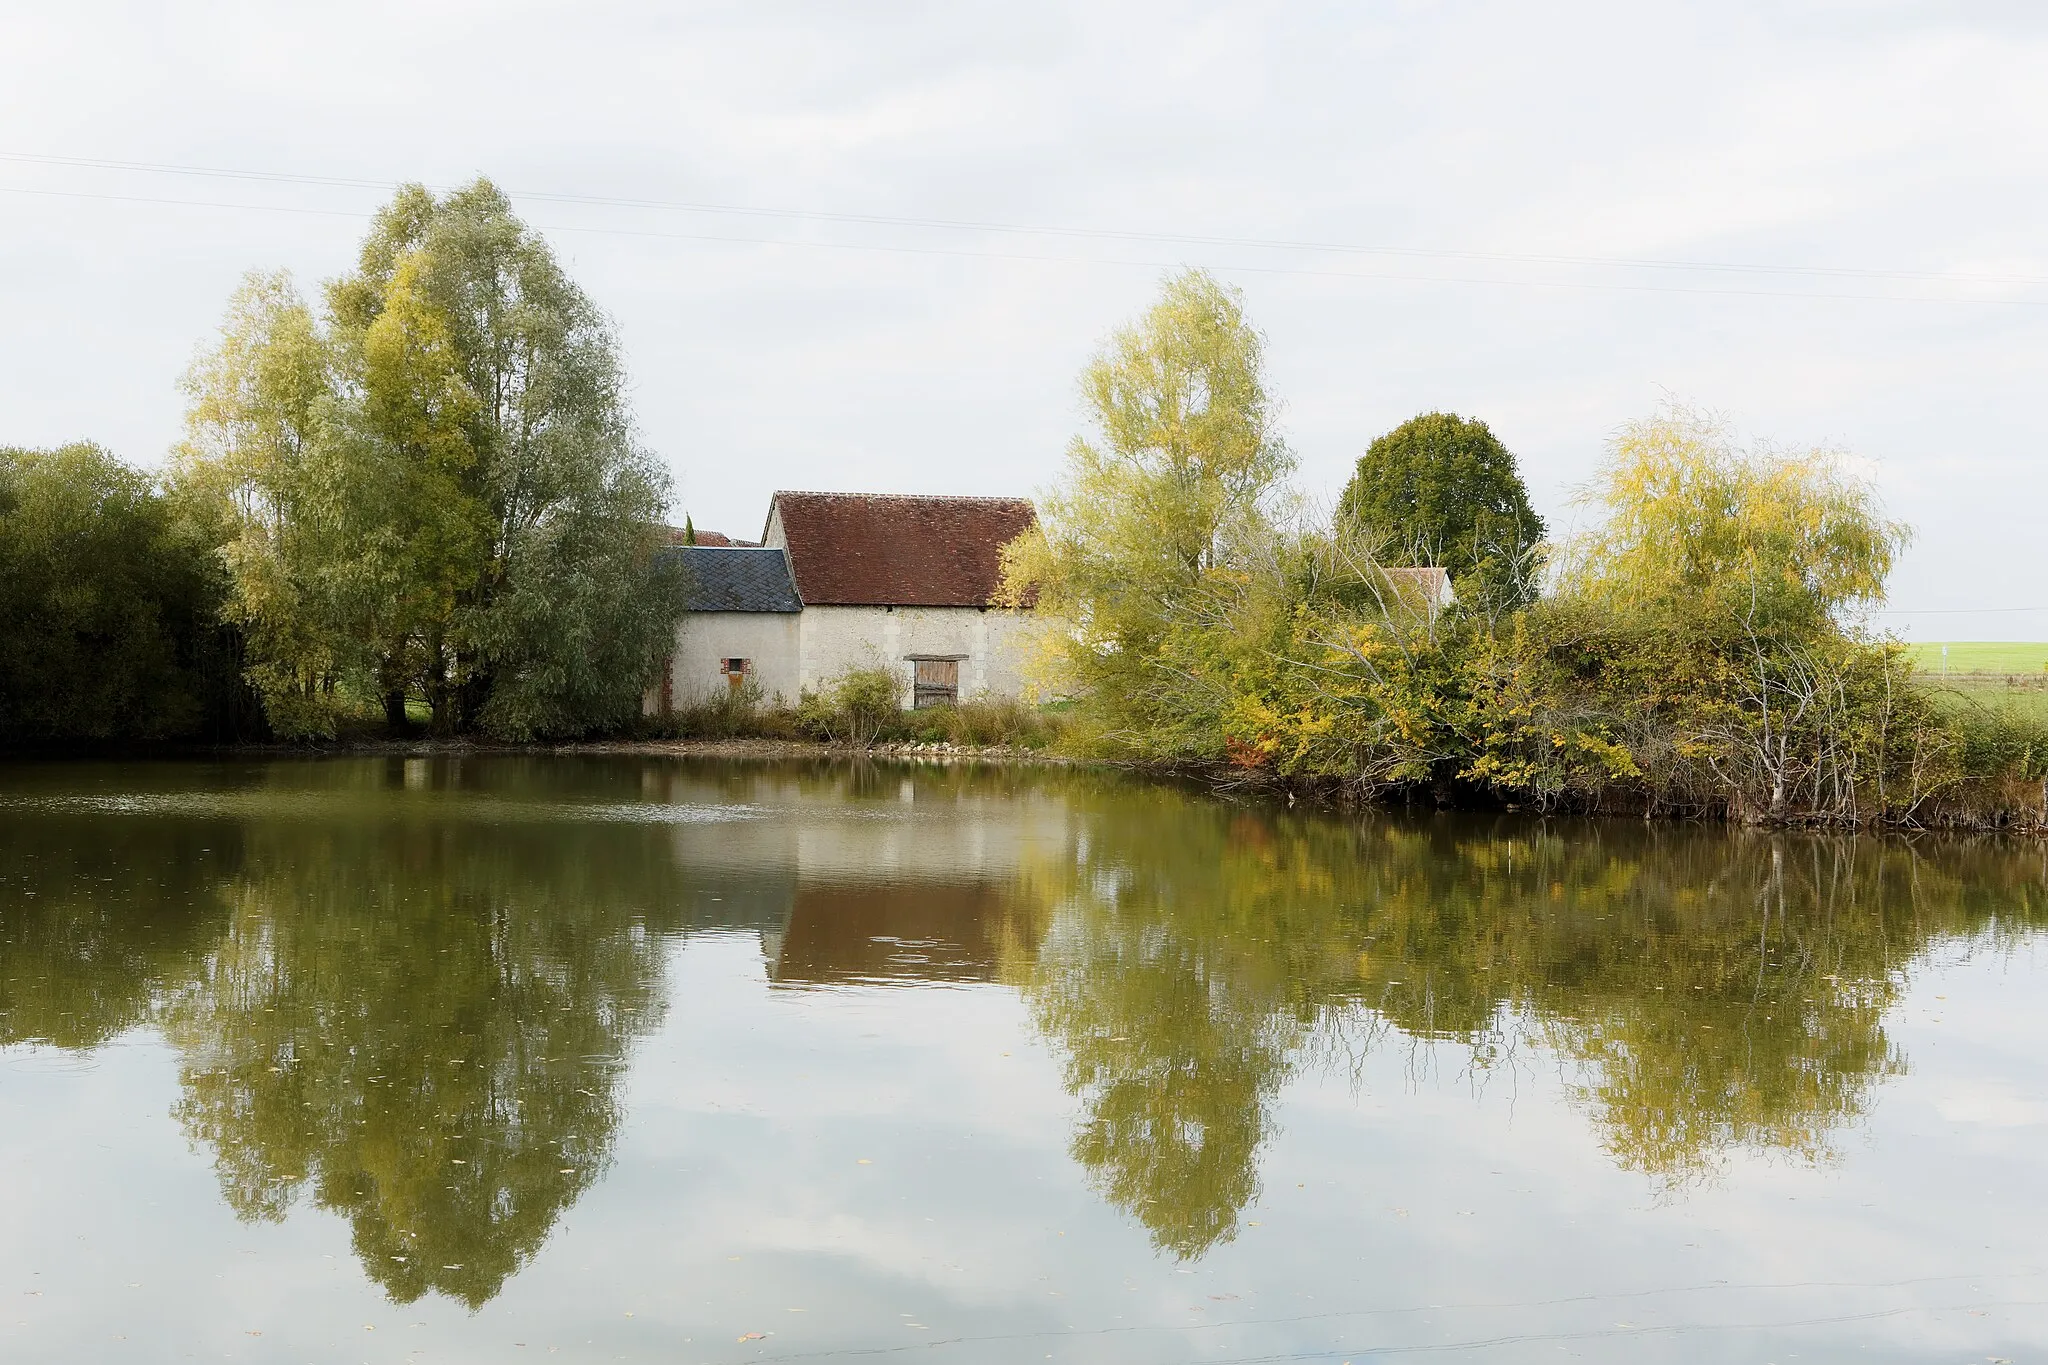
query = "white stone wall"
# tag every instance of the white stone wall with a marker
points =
(993, 645)
(770, 640)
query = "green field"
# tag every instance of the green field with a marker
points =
(1995, 674)
(1982, 656)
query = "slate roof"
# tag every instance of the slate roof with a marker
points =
(873, 550)
(737, 579)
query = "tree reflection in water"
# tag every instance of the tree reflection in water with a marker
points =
(93, 930)
(423, 1024)
(399, 1007)
(413, 1006)
(1710, 991)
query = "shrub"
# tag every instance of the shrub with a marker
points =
(985, 721)
(724, 713)
(857, 708)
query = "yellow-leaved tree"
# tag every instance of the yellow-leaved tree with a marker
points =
(1180, 475)
(1713, 612)
(1772, 541)
(260, 404)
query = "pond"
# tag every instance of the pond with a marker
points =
(624, 1058)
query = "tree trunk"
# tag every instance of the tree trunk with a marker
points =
(440, 697)
(471, 696)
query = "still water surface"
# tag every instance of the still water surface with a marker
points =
(500, 1058)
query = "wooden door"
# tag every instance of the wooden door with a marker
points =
(938, 683)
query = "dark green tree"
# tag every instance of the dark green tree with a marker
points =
(1442, 490)
(107, 603)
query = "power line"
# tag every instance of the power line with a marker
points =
(1103, 234)
(1950, 611)
(893, 249)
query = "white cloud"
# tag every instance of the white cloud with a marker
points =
(1884, 138)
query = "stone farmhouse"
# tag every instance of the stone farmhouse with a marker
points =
(844, 581)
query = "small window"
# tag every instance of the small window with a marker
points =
(938, 683)
(735, 671)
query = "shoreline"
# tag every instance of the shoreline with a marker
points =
(1224, 782)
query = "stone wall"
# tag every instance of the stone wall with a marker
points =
(992, 645)
(769, 641)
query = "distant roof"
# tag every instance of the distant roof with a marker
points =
(1432, 586)
(678, 535)
(873, 549)
(737, 579)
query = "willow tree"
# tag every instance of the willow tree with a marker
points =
(255, 465)
(1177, 480)
(1777, 542)
(446, 502)
(1713, 609)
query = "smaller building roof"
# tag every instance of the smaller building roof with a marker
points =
(737, 579)
(1428, 588)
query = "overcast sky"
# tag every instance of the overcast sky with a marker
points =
(1828, 224)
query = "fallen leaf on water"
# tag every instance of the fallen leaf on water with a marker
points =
(863, 1162)
(754, 1336)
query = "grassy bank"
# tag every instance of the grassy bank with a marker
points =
(860, 710)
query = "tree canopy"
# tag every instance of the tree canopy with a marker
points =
(1442, 490)
(1775, 541)
(107, 604)
(434, 492)
(1182, 470)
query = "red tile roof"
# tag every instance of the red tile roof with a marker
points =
(678, 536)
(871, 549)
